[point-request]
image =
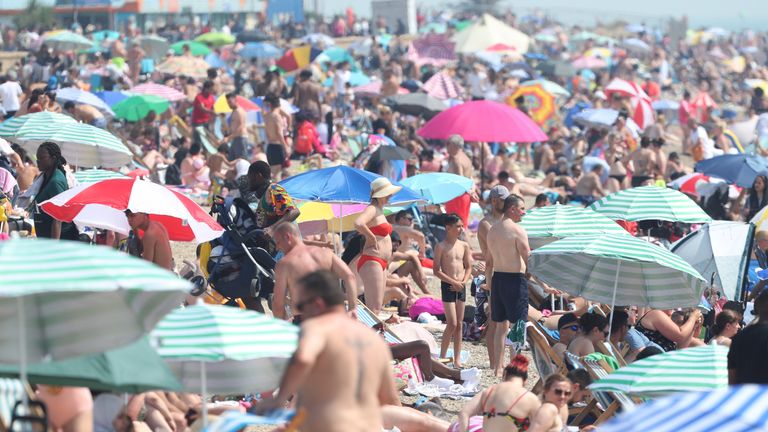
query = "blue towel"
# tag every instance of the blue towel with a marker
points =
(234, 421)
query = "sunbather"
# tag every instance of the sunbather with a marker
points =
(594, 328)
(553, 414)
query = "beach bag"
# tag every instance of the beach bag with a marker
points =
(405, 371)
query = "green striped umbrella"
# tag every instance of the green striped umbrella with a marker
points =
(81, 144)
(95, 175)
(224, 349)
(618, 269)
(547, 224)
(33, 123)
(215, 39)
(137, 107)
(685, 370)
(651, 203)
(67, 41)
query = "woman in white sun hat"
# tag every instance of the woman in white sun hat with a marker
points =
(377, 251)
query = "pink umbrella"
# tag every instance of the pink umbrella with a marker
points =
(625, 88)
(373, 89)
(589, 63)
(102, 205)
(160, 90)
(443, 86)
(483, 121)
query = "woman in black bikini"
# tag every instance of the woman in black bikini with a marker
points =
(657, 325)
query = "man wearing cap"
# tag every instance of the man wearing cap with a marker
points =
(507, 270)
(496, 196)
(569, 328)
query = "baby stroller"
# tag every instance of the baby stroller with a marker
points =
(240, 264)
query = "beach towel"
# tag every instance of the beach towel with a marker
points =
(235, 421)
(426, 304)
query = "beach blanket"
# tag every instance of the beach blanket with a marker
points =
(454, 392)
(235, 421)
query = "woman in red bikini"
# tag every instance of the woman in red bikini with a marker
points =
(377, 251)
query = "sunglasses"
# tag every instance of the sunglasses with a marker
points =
(560, 392)
(303, 304)
(574, 327)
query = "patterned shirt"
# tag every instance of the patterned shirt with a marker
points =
(274, 204)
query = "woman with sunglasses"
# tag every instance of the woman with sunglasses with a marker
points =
(553, 414)
(507, 406)
(594, 329)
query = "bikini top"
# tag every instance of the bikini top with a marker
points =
(381, 230)
(522, 424)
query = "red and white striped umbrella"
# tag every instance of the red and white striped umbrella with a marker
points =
(703, 100)
(687, 183)
(160, 90)
(101, 205)
(625, 88)
(644, 114)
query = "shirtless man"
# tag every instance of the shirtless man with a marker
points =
(458, 162)
(644, 163)
(506, 265)
(589, 188)
(155, 245)
(277, 145)
(86, 114)
(239, 147)
(299, 260)
(497, 195)
(341, 371)
(218, 166)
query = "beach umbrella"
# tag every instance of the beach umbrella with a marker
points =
(137, 107)
(134, 368)
(252, 36)
(589, 63)
(95, 175)
(416, 104)
(591, 266)
(195, 48)
(111, 98)
(484, 121)
(443, 86)
(160, 90)
(356, 79)
(216, 39)
(341, 184)
(298, 58)
(730, 409)
(545, 37)
(222, 107)
(434, 49)
(103, 35)
(739, 169)
(260, 50)
(34, 122)
(73, 94)
(688, 183)
(81, 145)
(154, 46)
(373, 89)
(320, 217)
(66, 299)
(644, 115)
(625, 88)
(539, 103)
(545, 225)
(225, 350)
(551, 87)
(720, 252)
(650, 203)
(637, 45)
(335, 55)
(390, 153)
(679, 371)
(194, 67)
(318, 39)
(488, 31)
(66, 40)
(102, 205)
(439, 188)
(557, 68)
(603, 53)
(602, 118)
(665, 104)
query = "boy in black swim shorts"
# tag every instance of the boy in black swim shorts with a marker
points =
(453, 266)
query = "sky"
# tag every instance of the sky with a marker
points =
(730, 14)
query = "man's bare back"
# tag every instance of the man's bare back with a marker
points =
(589, 185)
(644, 162)
(350, 379)
(297, 263)
(504, 242)
(157, 247)
(273, 127)
(238, 125)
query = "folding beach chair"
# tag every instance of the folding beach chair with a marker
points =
(609, 349)
(611, 401)
(209, 141)
(367, 317)
(546, 360)
(11, 411)
(547, 333)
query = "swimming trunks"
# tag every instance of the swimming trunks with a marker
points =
(381, 230)
(365, 258)
(448, 295)
(275, 154)
(509, 297)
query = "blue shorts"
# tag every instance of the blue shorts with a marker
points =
(509, 297)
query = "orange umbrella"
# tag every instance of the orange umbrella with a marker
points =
(539, 103)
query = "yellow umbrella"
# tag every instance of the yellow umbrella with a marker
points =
(318, 211)
(539, 102)
(603, 53)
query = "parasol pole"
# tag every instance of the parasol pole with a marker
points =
(613, 301)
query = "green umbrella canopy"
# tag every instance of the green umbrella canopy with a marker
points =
(651, 203)
(197, 48)
(134, 368)
(547, 224)
(216, 39)
(137, 107)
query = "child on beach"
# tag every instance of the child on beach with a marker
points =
(453, 266)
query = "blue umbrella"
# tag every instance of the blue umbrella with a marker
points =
(111, 98)
(439, 188)
(260, 50)
(740, 169)
(355, 79)
(579, 107)
(215, 61)
(105, 35)
(72, 94)
(732, 409)
(665, 104)
(341, 184)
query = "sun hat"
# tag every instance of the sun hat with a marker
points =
(381, 187)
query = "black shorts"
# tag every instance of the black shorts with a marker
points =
(638, 180)
(449, 295)
(275, 154)
(509, 297)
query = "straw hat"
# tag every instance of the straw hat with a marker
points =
(381, 187)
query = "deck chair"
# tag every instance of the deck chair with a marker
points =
(11, 393)
(367, 317)
(611, 401)
(609, 349)
(210, 143)
(545, 332)
(546, 360)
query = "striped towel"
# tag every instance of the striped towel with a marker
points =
(234, 421)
